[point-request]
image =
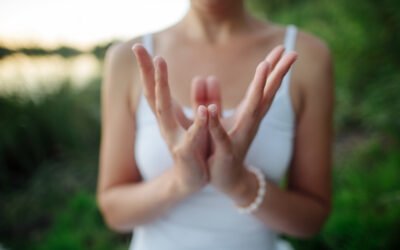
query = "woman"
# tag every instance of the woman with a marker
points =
(207, 177)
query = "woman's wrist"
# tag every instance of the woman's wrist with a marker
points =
(245, 192)
(176, 190)
(180, 188)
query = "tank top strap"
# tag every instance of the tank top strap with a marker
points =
(290, 38)
(290, 45)
(147, 41)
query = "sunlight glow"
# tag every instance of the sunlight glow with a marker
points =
(83, 23)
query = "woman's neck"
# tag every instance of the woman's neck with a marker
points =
(215, 21)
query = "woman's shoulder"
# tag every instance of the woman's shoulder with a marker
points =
(313, 71)
(120, 52)
(314, 56)
(305, 41)
(312, 47)
(121, 72)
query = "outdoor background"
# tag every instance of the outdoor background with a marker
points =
(49, 116)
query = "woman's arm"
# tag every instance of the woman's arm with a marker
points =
(123, 199)
(304, 206)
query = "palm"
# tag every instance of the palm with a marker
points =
(232, 136)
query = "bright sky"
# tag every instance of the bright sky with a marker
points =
(83, 23)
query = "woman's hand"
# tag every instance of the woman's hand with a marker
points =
(147, 73)
(232, 137)
(187, 140)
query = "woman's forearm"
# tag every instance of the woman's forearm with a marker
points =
(126, 206)
(286, 211)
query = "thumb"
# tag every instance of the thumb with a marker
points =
(218, 133)
(199, 127)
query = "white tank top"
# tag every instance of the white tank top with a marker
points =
(208, 220)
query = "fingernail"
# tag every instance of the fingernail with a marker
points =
(213, 109)
(135, 46)
(157, 59)
(201, 111)
(262, 65)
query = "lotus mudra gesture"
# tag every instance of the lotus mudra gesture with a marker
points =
(204, 121)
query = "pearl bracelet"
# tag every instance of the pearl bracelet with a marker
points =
(260, 193)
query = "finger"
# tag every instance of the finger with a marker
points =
(214, 93)
(198, 129)
(196, 134)
(218, 133)
(275, 79)
(164, 105)
(250, 110)
(274, 56)
(198, 92)
(256, 87)
(185, 122)
(146, 67)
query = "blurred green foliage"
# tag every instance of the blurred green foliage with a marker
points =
(366, 213)
(48, 151)
(37, 51)
(51, 127)
(49, 144)
(64, 51)
(364, 38)
(79, 226)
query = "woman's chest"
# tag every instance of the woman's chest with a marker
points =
(233, 69)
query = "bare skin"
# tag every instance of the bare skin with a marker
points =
(214, 39)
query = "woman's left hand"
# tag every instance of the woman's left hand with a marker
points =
(231, 138)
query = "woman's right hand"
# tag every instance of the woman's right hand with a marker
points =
(187, 140)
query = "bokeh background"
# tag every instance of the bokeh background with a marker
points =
(51, 60)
